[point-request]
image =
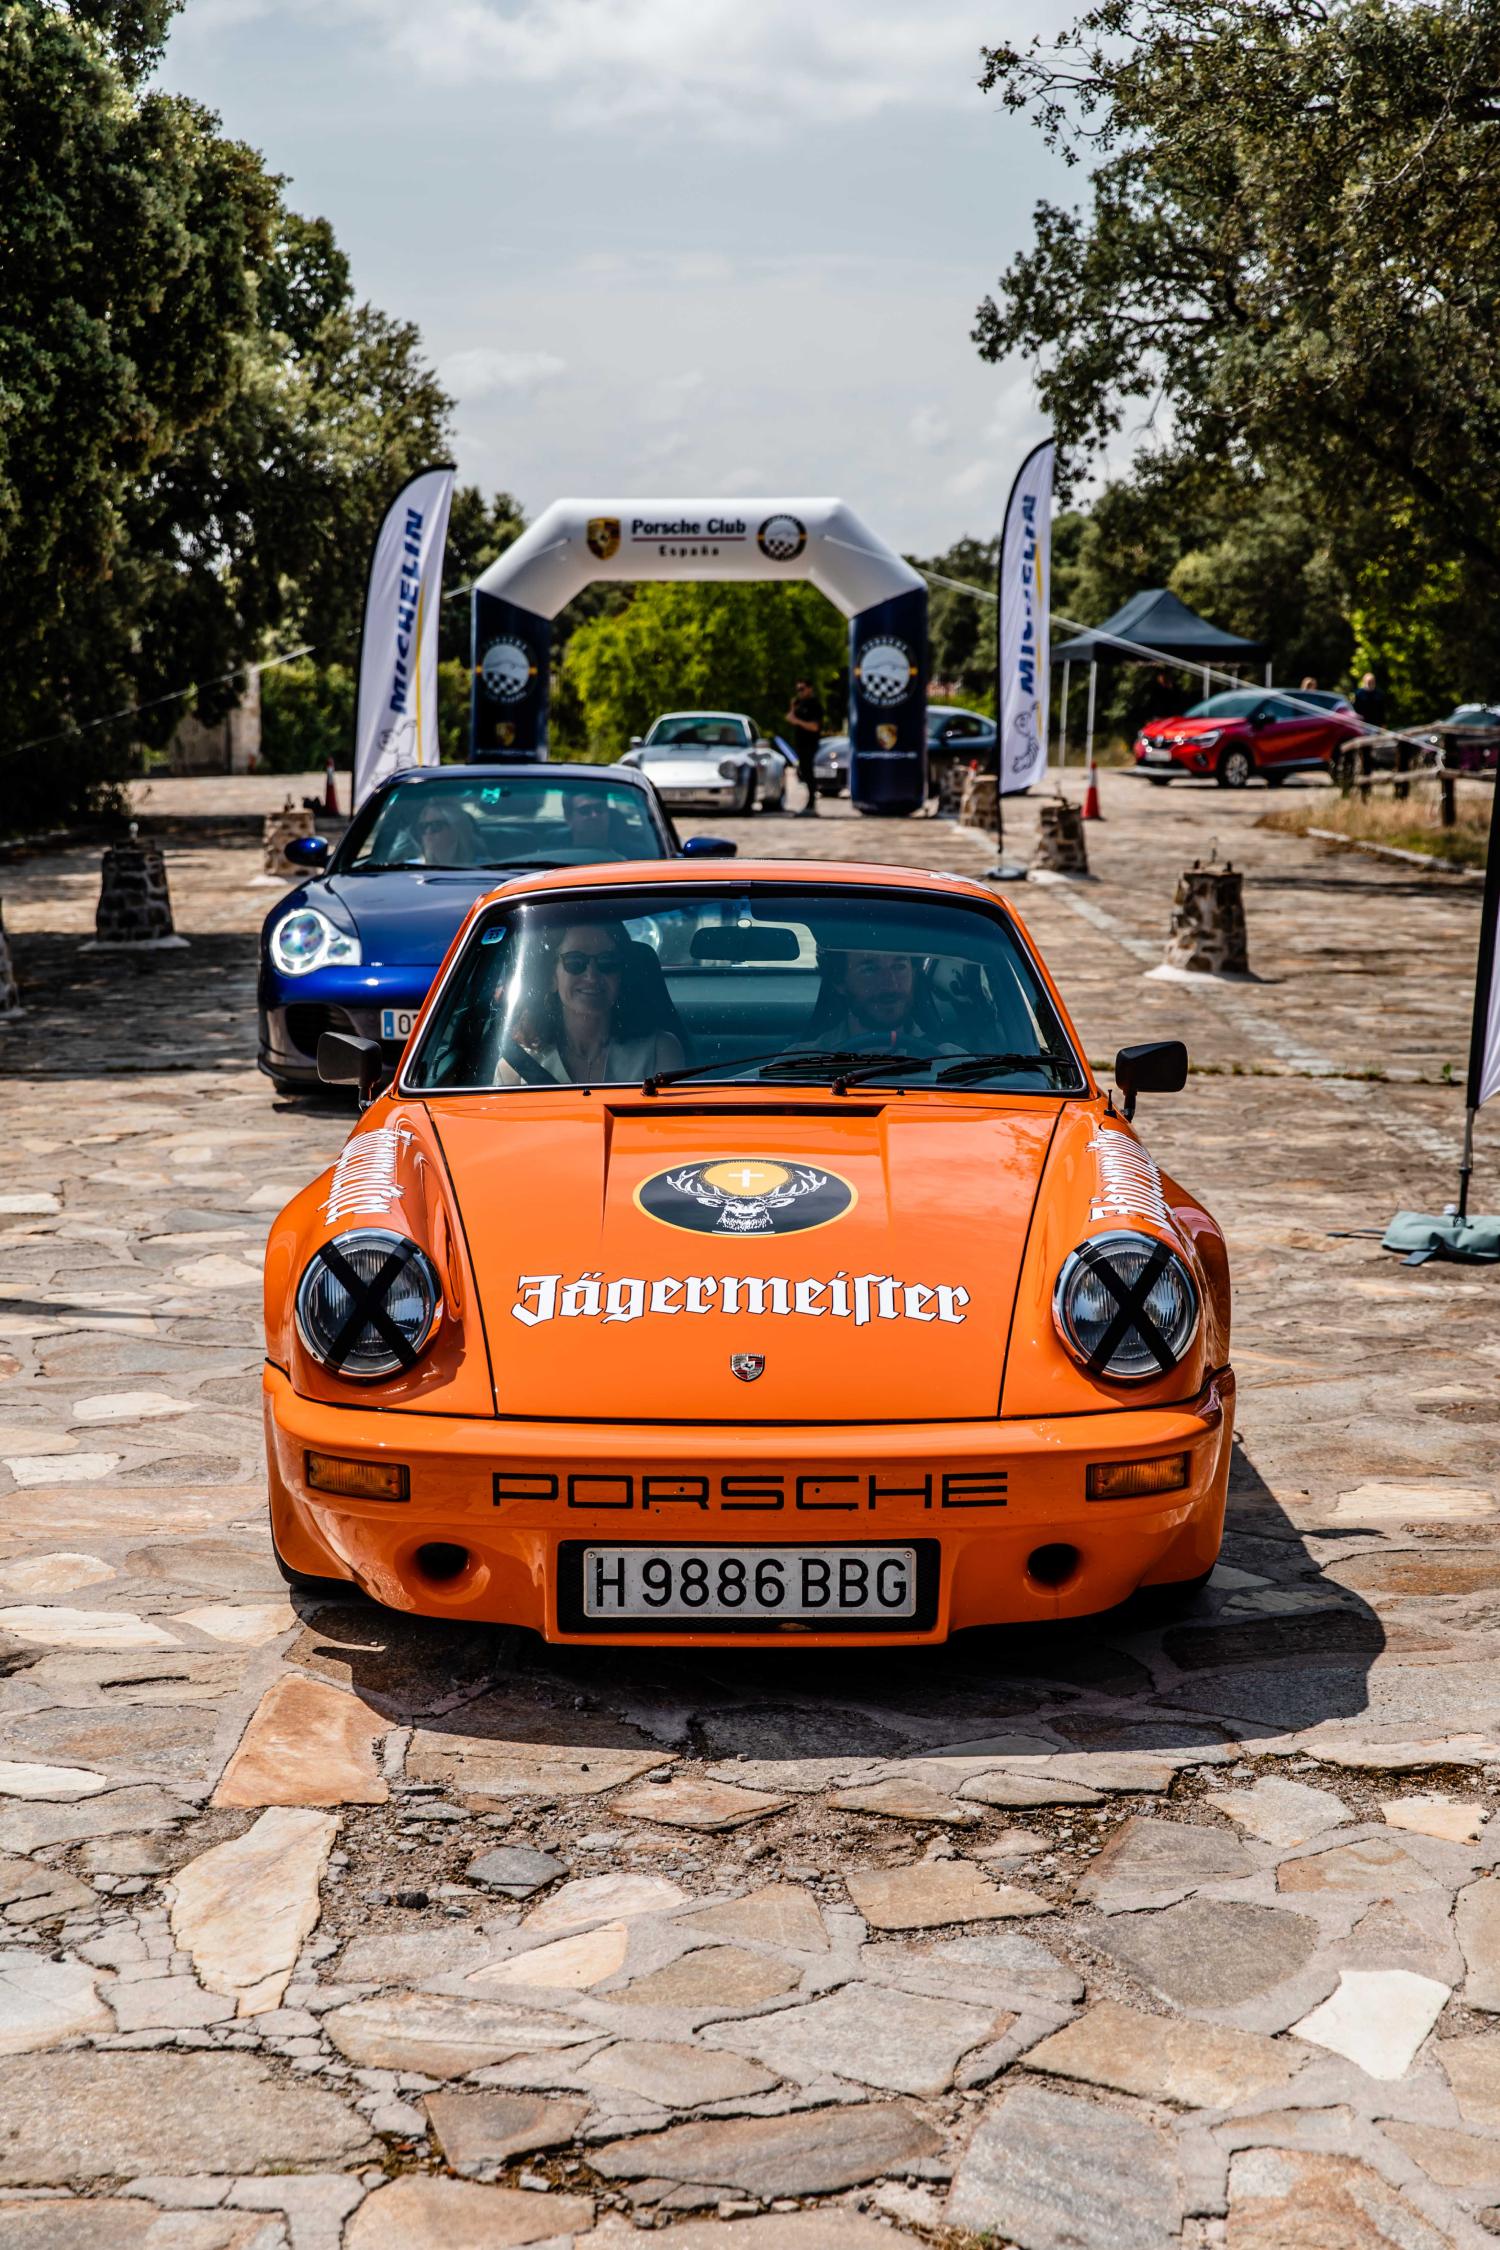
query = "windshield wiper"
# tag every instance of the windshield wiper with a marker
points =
(851, 1069)
(684, 1071)
(988, 1066)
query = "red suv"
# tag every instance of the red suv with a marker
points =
(1247, 732)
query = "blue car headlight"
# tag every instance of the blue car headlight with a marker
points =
(307, 940)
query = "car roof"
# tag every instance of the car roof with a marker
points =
(702, 714)
(551, 769)
(960, 711)
(814, 874)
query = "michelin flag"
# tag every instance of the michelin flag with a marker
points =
(1023, 655)
(396, 723)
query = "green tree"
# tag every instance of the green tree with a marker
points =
(961, 630)
(132, 234)
(686, 646)
(479, 531)
(1292, 243)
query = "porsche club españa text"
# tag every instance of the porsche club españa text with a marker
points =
(859, 1297)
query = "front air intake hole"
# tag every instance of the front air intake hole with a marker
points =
(441, 1561)
(1053, 1566)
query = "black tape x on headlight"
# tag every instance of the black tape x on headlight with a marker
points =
(1126, 1306)
(367, 1303)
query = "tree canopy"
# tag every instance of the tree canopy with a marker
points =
(678, 646)
(1288, 267)
(199, 426)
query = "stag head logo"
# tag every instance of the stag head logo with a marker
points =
(745, 1195)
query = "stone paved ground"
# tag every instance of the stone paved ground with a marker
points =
(326, 1928)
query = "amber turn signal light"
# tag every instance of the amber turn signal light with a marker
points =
(1130, 1480)
(358, 1480)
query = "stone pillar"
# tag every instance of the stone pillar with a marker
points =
(135, 907)
(280, 828)
(1208, 923)
(1061, 848)
(10, 992)
(976, 807)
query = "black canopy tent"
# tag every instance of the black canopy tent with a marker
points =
(1153, 626)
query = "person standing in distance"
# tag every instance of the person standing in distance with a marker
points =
(804, 719)
(1369, 701)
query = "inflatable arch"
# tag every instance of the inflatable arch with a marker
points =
(823, 541)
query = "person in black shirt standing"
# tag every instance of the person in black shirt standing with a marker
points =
(804, 719)
(1369, 701)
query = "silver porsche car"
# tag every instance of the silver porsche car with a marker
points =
(710, 761)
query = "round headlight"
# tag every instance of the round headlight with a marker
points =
(1126, 1306)
(729, 769)
(307, 940)
(367, 1303)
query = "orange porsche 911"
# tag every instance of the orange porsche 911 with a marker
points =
(747, 1254)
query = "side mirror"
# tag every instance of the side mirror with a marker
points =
(636, 741)
(1159, 1066)
(710, 847)
(307, 851)
(344, 1060)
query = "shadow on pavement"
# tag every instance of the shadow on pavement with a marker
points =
(1274, 1648)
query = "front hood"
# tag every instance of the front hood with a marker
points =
(409, 915)
(869, 1256)
(1188, 730)
(692, 773)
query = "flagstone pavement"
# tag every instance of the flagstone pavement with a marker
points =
(324, 1929)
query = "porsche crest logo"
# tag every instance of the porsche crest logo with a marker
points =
(740, 1195)
(604, 536)
(749, 1366)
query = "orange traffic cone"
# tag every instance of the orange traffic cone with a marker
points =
(330, 789)
(1091, 795)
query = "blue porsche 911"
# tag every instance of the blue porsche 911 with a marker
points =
(355, 947)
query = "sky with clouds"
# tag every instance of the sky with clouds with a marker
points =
(670, 246)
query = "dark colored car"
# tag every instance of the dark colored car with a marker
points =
(1232, 738)
(1467, 741)
(355, 947)
(952, 735)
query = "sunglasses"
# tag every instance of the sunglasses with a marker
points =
(579, 964)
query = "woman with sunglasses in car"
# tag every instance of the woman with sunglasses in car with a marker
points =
(593, 1020)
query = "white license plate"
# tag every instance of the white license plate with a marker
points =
(396, 1023)
(733, 1583)
(1156, 756)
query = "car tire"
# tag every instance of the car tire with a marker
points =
(1277, 780)
(1165, 1602)
(1236, 767)
(1159, 780)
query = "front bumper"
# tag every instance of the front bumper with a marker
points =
(295, 1011)
(510, 1494)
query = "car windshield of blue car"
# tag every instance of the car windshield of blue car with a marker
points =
(698, 732)
(465, 820)
(769, 983)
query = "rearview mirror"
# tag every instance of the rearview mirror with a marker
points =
(1158, 1066)
(307, 851)
(710, 847)
(636, 741)
(344, 1060)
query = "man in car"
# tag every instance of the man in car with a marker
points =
(871, 1001)
(590, 822)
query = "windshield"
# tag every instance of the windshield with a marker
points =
(525, 820)
(1227, 706)
(698, 730)
(769, 983)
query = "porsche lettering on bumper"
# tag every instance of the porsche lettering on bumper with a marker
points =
(819, 1492)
